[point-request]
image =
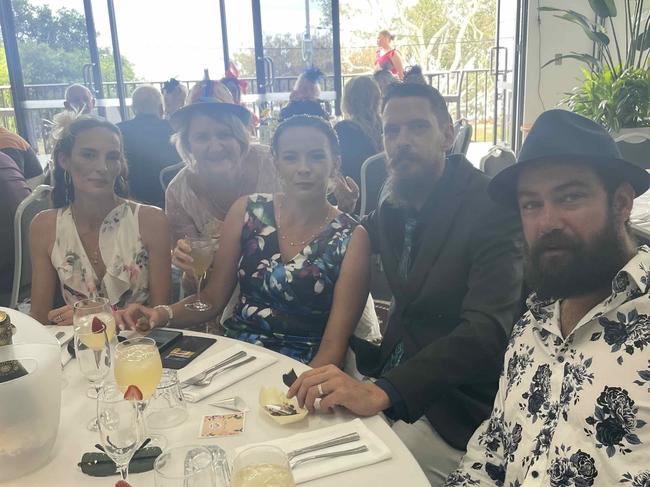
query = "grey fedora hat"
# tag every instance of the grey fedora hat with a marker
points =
(563, 136)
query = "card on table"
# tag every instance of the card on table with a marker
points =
(222, 425)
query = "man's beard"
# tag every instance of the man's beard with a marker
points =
(401, 188)
(585, 267)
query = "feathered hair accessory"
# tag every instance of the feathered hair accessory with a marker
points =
(61, 122)
(171, 85)
(314, 75)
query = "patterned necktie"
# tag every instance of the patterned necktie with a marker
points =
(403, 269)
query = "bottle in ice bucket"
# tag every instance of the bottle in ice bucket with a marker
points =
(9, 369)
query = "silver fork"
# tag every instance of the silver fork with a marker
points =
(208, 380)
(334, 454)
(202, 375)
(340, 440)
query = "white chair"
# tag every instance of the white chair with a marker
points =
(635, 148)
(463, 131)
(168, 173)
(36, 202)
(373, 177)
(496, 160)
(36, 181)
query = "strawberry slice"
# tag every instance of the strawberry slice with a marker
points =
(98, 326)
(132, 393)
(122, 483)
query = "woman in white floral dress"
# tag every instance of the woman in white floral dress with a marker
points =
(95, 241)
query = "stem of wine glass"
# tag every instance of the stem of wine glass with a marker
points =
(199, 280)
(124, 470)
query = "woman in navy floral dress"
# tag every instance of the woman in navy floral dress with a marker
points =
(302, 265)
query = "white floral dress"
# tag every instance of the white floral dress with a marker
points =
(127, 261)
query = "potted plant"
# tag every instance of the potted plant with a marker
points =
(615, 90)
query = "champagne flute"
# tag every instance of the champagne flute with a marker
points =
(202, 253)
(260, 466)
(137, 363)
(93, 352)
(120, 426)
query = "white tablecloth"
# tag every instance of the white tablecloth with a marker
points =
(76, 410)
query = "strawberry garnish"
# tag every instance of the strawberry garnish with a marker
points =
(98, 326)
(122, 483)
(132, 393)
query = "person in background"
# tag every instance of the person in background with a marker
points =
(573, 407)
(96, 241)
(453, 260)
(304, 99)
(79, 99)
(174, 95)
(147, 146)
(413, 74)
(302, 265)
(21, 152)
(221, 166)
(384, 79)
(388, 57)
(360, 133)
(238, 88)
(13, 190)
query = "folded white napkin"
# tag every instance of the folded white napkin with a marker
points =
(224, 379)
(377, 450)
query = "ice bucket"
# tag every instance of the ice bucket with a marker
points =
(30, 405)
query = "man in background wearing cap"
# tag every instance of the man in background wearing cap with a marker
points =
(453, 260)
(573, 405)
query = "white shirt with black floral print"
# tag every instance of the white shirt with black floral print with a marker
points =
(574, 411)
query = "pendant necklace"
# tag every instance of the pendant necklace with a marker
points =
(311, 237)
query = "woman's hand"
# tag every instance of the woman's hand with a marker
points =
(60, 316)
(346, 192)
(140, 318)
(181, 257)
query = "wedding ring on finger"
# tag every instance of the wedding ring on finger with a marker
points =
(320, 390)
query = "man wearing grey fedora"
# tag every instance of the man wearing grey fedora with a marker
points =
(573, 407)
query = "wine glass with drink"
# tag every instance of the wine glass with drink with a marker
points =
(138, 370)
(120, 426)
(88, 311)
(92, 343)
(260, 466)
(202, 253)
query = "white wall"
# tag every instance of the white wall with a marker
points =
(545, 88)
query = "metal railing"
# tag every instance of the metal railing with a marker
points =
(473, 100)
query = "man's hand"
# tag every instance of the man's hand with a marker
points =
(338, 389)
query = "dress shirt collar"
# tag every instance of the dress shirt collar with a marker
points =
(630, 282)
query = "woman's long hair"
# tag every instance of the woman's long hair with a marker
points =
(67, 126)
(361, 104)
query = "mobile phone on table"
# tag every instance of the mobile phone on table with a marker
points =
(164, 338)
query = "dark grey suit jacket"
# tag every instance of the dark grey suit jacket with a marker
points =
(455, 312)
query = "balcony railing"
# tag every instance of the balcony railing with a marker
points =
(473, 100)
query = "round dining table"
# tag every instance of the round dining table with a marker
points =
(77, 409)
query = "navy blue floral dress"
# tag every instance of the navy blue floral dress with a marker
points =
(285, 306)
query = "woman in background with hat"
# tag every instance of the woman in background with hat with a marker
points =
(222, 165)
